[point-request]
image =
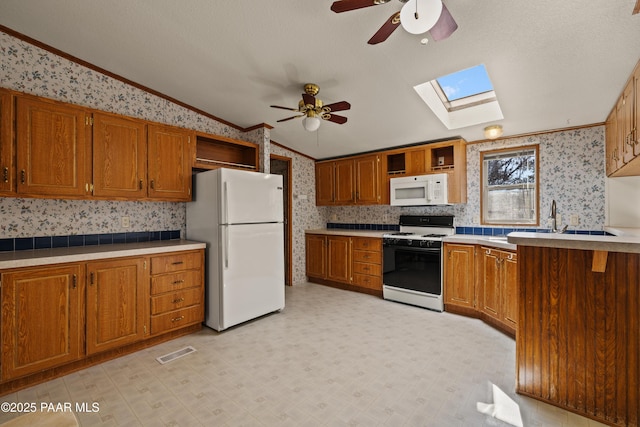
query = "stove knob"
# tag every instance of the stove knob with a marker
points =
(409, 242)
(424, 243)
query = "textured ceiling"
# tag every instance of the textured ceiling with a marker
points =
(554, 64)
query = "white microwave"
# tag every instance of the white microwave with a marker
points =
(419, 190)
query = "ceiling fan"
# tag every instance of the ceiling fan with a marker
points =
(416, 16)
(312, 109)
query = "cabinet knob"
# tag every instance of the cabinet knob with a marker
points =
(177, 300)
(152, 184)
(23, 176)
(177, 319)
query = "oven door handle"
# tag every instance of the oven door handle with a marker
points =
(414, 249)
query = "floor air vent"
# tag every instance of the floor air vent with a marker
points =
(175, 355)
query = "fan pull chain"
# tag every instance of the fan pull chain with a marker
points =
(416, 13)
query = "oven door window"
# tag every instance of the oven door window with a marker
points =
(415, 269)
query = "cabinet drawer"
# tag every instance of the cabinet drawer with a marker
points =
(176, 319)
(175, 300)
(366, 268)
(176, 281)
(176, 262)
(366, 281)
(367, 244)
(367, 256)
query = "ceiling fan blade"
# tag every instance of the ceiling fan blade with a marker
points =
(289, 118)
(386, 30)
(335, 118)
(445, 25)
(284, 108)
(347, 5)
(337, 106)
(309, 100)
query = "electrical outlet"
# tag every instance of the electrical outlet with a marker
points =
(574, 219)
(125, 222)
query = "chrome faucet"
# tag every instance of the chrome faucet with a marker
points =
(554, 225)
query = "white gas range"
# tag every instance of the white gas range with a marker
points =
(412, 260)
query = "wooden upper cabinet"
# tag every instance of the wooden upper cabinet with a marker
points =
(344, 182)
(169, 163)
(416, 161)
(42, 318)
(53, 150)
(635, 137)
(611, 138)
(324, 184)
(625, 123)
(117, 297)
(7, 151)
(119, 157)
(367, 171)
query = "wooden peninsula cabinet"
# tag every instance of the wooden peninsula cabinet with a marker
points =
(578, 343)
(58, 318)
(343, 261)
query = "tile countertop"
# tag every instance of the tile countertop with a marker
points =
(39, 257)
(345, 232)
(622, 242)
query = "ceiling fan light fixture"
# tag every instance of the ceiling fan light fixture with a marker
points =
(419, 16)
(493, 132)
(310, 122)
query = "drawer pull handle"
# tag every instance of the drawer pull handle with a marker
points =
(177, 300)
(5, 174)
(366, 269)
(177, 263)
(177, 319)
(23, 176)
(177, 282)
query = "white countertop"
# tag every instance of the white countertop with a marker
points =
(619, 243)
(470, 239)
(38, 257)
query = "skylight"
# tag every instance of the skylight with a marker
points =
(469, 82)
(463, 98)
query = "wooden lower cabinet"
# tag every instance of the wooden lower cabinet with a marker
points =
(349, 262)
(117, 292)
(177, 291)
(59, 318)
(459, 275)
(42, 318)
(482, 282)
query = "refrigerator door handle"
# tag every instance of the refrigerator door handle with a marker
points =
(226, 203)
(226, 246)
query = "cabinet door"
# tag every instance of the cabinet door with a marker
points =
(611, 135)
(169, 163)
(7, 147)
(316, 256)
(344, 182)
(459, 275)
(116, 294)
(367, 180)
(339, 258)
(324, 184)
(490, 299)
(53, 149)
(626, 122)
(509, 288)
(42, 315)
(635, 122)
(119, 157)
(416, 161)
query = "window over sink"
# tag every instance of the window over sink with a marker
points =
(509, 186)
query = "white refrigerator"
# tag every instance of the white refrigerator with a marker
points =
(239, 214)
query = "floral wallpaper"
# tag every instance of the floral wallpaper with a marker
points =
(571, 173)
